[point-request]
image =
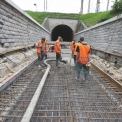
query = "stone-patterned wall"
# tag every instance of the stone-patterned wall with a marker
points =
(106, 36)
(17, 28)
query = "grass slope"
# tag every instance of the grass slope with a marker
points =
(88, 19)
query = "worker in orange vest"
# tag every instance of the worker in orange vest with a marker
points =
(74, 51)
(72, 46)
(45, 49)
(82, 59)
(87, 47)
(57, 50)
(51, 48)
(40, 50)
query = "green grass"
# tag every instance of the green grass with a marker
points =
(89, 19)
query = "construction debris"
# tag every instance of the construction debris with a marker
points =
(108, 67)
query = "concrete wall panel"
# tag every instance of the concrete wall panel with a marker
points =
(17, 28)
(75, 24)
(106, 36)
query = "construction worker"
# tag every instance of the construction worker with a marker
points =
(82, 59)
(40, 50)
(87, 47)
(72, 46)
(74, 51)
(45, 49)
(51, 48)
(57, 50)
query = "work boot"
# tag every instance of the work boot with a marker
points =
(45, 56)
(42, 64)
(78, 76)
(57, 63)
(74, 66)
(85, 78)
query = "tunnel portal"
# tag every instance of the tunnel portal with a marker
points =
(64, 31)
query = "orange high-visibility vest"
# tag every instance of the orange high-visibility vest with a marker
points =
(87, 48)
(75, 47)
(38, 47)
(71, 45)
(56, 50)
(45, 46)
(74, 52)
(83, 54)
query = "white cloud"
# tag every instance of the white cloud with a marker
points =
(63, 6)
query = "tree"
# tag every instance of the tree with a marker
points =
(108, 4)
(98, 6)
(117, 7)
(89, 6)
(81, 9)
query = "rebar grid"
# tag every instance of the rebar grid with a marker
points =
(15, 100)
(64, 99)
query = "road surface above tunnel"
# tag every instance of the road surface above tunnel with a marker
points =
(64, 31)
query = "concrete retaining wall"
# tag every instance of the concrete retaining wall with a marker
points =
(17, 28)
(106, 36)
(75, 24)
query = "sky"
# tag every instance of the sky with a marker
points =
(62, 6)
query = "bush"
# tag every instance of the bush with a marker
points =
(103, 19)
(117, 7)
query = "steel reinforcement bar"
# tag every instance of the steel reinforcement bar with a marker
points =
(16, 98)
(62, 98)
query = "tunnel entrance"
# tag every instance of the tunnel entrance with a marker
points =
(64, 31)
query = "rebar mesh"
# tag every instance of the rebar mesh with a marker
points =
(14, 101)
(64, 99)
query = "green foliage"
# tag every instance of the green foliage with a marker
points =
(117, 7)
(89, 19)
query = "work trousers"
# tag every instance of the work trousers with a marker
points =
(79, 66)
(45, 55)
(40, 58)
(74, 58)
(58, 58)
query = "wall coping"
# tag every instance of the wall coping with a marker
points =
(24, 13)
(102, 23)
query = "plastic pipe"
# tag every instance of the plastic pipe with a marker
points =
(28, 114)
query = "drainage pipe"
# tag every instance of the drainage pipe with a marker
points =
(29, 111)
